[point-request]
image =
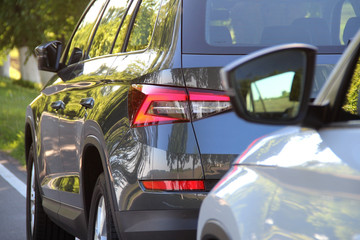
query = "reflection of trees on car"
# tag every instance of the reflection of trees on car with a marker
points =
(351, 101)
(107, 29)
(143, 26)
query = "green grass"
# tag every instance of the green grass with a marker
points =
(15, 95)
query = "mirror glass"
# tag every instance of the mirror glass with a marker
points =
(271, 86)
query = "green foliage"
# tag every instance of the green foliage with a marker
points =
(61, 16)
(79, 41)
(123, 30)
(31, 22)
(27, 84)
(13, 101)
(351, 101)
(18, 16)
(106, 32)
(143, 26)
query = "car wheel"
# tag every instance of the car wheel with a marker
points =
(38, 224)
(101, 224)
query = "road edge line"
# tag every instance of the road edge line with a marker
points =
(15, 182)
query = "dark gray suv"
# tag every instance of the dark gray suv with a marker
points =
(134, 128)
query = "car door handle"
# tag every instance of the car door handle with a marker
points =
(87, 102)
(58, 105)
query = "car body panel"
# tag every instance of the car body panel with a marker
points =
(278, 190)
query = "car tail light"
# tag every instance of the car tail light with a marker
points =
(152, 105)
(173, 185)
(205, 103)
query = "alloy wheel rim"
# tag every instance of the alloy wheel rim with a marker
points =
(100, 232)
(32, 199)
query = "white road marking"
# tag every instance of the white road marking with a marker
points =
(13, 180)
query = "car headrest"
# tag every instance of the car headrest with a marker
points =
(351, 28)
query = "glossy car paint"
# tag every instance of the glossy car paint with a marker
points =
(74, 144)
(296, 183)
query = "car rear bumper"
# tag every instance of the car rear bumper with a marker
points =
(158, 224)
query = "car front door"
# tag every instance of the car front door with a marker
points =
(51, 167)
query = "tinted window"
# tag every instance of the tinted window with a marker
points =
(81, 37)
(143, 26)
(108, 27)
(124, 27)
(242, 26)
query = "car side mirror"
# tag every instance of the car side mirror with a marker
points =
(272, 86)
(48, 56)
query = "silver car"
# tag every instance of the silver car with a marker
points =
(300, 182)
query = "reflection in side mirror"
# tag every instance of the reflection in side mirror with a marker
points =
(273, 85)
(48, 56)
(270, 96)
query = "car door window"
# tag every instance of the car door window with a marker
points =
(143, 26)
(82, 34)
(108, 27)
(124, 27)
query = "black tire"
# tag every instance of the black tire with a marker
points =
(42, 228)
(98, 201)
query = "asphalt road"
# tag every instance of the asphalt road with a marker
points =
(12, 199)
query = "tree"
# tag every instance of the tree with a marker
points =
(5, 65)
(24, 24)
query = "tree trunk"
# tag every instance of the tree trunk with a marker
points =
(5, 68)
(28, 66)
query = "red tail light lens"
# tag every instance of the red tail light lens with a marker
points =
(174, 185)
(152, 105)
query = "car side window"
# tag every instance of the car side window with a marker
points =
(108, 27)
(352, 101)
(124, 27)
(82, 34)
(143, 26)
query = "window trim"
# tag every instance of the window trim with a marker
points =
(119, 28)
(94, 30)
(131, 25)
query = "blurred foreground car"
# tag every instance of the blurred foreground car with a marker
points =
(135, 128)
(301, 182)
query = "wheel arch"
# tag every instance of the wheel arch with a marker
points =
(213, 230)
(28, 140)
(91, 168)
(94, 161)
(29, 134)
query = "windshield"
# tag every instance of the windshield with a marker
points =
(242, 26)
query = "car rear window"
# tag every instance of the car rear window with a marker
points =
(242, 26)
